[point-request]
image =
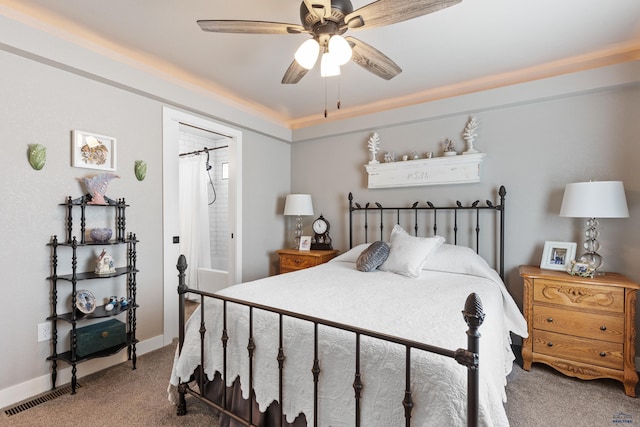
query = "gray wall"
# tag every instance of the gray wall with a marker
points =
(534, 149)
(43, 104)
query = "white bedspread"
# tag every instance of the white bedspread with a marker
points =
(427, 309)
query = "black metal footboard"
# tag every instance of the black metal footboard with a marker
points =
(469, 357)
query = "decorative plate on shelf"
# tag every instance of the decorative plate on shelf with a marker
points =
(85, 301)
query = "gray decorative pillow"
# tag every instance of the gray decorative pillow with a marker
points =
(372, 257)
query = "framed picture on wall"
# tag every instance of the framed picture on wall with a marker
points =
(558, 255)
(93, 151)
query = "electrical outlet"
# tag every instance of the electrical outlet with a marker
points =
(44, 331)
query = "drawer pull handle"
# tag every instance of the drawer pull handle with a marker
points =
(550, 344)
(550, 320)
(603, 354)
(105, 334)
(603, 328)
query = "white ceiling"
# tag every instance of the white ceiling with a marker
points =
(474, 45)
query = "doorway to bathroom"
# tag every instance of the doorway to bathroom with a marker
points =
(203, 168)
(201, 205)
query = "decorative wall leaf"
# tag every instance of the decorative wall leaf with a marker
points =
(37, 156)
(140, 169)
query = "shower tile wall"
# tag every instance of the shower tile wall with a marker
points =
(192, 140)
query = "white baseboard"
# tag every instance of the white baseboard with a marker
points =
(19, 392)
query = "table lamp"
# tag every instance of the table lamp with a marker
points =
(592, 200)
(298, 205)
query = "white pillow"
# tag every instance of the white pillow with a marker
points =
(408, 253)
(455, 259)
(352, 254)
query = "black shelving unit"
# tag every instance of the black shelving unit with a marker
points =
(60, 284)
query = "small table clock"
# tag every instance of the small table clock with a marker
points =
(321, 239)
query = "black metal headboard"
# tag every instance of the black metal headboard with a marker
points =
(451, 219)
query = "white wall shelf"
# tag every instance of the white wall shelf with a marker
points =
(460, 169)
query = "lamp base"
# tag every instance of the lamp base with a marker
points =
(297, 235)
(594, 260)
(591, 245)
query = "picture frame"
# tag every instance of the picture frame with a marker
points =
(93, 151)
(580, 268)
(305, 243)
(557, 255)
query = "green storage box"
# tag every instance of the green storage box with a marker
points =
(100, 336)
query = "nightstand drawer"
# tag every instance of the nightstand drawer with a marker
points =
(594, 352)
(297, 262)
(577, 295)
(293, 259)
(597, 326)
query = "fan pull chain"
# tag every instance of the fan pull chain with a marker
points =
(325, 98)
(339, 80)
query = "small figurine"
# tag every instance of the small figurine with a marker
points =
(104, 264)
(389, 157)
(374, 147)
(449, 148)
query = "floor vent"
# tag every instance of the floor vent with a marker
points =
(32, 403)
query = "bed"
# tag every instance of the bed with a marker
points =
(334, 345)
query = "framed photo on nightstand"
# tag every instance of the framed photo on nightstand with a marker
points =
(557, 255)
(305, 243)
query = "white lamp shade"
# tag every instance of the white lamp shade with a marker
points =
(307, 54)
(298, 204)
(328, 66)
(594, 199)
(339, 49)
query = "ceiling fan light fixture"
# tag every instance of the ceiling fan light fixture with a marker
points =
(323, 19)
(340, 49)
(307, 54)
(328, 66)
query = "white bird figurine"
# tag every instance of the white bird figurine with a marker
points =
(97, 187)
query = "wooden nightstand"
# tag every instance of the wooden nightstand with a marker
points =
(293, 259)
(583, 327)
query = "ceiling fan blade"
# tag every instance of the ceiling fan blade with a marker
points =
(322, 8)
(250, 27)
(294, 73)
(386, 12)
(372, 60)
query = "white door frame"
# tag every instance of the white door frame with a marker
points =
(171, 119)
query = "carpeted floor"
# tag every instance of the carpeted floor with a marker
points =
(120, 396)
(544, 397)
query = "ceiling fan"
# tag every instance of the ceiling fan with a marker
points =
(326, 21)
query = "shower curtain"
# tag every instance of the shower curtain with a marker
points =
(194, 217)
